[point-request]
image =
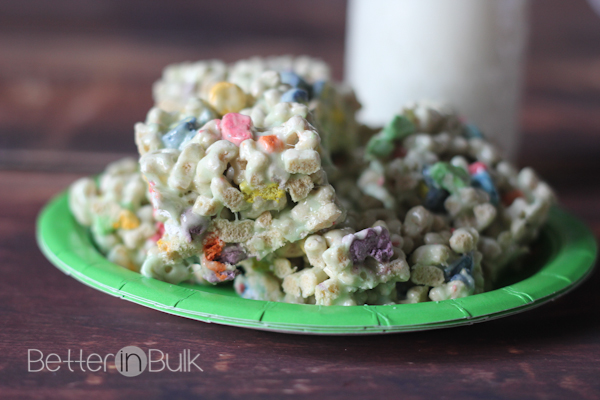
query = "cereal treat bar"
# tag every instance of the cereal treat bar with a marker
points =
(229, 191)
(116, 208)
(467, 212)
(267, 90)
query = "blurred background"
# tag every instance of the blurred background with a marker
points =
(75, 75)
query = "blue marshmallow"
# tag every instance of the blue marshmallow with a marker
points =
(483, 180)
(183, 132)
(295, 96)
(464, 262)
(471, 131)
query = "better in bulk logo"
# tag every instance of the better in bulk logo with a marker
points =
(129, 361)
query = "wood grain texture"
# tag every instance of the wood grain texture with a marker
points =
(77, 87)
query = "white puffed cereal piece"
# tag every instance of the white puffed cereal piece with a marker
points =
(434, 238)
(120, 256)
(427, 275)
(214, 163)
(145, 213)
(80, 193)
(418, 220)
(158, 116)
(314, 246)
(462, 241)
(528, 179)
(484, 214)
(124, 166)
(334, 236)
(208, 134)
(451, 290)
(267, 80)
(134, 191)
(303, 283)
(231, 197)
(134, 238)
(431, 254)
(206, 206)
(417, 294)
(147, 137)
(460, 161)
(233, 231)
(282, 267)
(264, 220)
(184, 170)
(299, 187)
(154, 267)
(327, 292)
(257, 163)
(156, 166)
(271, 98)
(489, 248)
(459, 145)
(301, 161)
(518, 229)
(337, 259)
(282, 112)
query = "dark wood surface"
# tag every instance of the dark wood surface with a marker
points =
(55, 109)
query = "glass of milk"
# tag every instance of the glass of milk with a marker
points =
(468, 53)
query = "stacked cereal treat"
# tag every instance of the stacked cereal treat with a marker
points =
(234, 165)
(116, 208)
(256, 173)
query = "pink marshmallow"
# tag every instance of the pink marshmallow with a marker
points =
(477, 167)
(236, 128)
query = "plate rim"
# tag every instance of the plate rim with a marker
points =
(57, 232)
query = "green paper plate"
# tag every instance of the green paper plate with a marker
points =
(562, 258)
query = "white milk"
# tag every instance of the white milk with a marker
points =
(468, 53)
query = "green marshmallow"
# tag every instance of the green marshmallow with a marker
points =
(379, 146)
(102, 225)
(449, 177)
(382, 144)
(398, 128)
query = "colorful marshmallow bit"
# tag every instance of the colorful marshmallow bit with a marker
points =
(481, 178)
(236, 128)
(226, 97)
(181, 134)
(192, 224)
(382, 144)
(509, 197)
(433, 195)
(471, 131)
(295, 81)
(267, 192)
(295, 96)
(271, 144)
(448, 176)
(464, 262)
(465, 278)
(373, 242)
(232, 254)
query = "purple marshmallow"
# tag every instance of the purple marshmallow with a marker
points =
(232, 254)
(193, 224)
(378, 246)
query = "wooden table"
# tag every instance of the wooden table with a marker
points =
(548, 353)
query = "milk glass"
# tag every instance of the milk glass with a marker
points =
(468, 53)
